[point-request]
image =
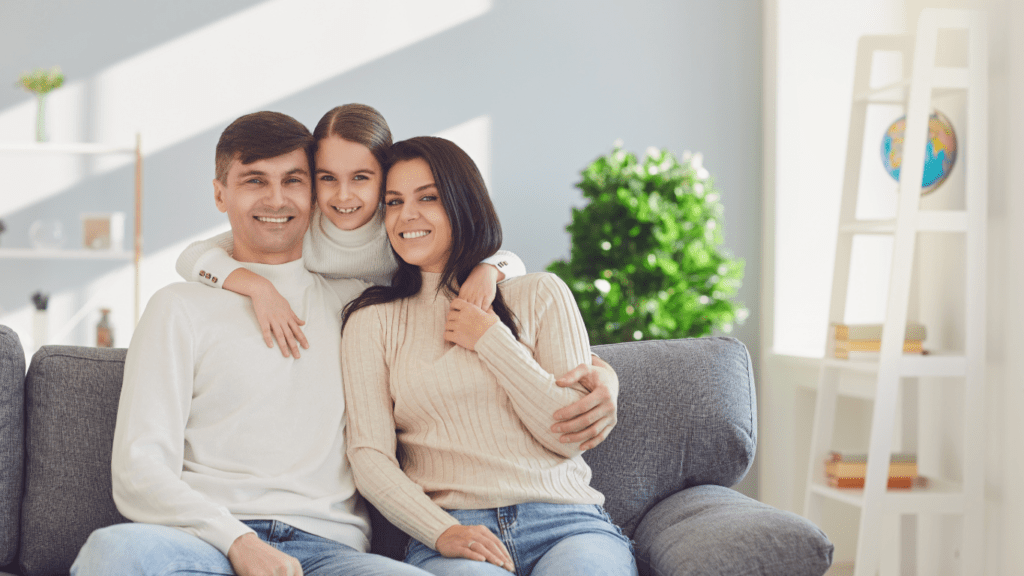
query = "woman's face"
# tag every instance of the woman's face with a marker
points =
(348, 181)
(417, 224)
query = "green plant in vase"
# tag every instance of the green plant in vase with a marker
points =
(41, 82)
(646, 259)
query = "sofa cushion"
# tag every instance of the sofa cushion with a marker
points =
(12, 445)
(716, 531)
(71, 397)
(687, 415)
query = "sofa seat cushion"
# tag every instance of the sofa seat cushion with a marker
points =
(71, 398)
(716, 531)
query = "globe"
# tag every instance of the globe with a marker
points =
(939, 151)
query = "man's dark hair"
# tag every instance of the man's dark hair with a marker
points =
(259, 136)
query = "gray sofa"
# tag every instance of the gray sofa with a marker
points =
(687, 430)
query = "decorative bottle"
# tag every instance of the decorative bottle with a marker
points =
(104, 332)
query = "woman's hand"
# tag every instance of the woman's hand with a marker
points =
(590, 419)
(467, 323)
(474, 543)
(277, 320)
(481, 285)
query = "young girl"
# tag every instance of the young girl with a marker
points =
(346, 237)
(465, 394)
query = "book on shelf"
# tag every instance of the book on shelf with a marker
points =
(837, 331)
(850, 470)
(894, 483)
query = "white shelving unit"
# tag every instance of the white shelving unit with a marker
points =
(86, 149)
(881, 509)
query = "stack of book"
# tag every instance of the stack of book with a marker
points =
(849, 470)
(864, 341)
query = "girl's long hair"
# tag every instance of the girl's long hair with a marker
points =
(476, 231)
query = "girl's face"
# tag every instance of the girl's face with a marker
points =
(417, 224)
(348, 181)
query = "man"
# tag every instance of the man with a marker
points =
(229, 457)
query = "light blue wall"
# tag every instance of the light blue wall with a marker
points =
(560, 82)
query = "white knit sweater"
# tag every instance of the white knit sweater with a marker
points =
(474, 427)
(213, 427)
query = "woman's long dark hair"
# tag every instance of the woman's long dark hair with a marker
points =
(476, 231)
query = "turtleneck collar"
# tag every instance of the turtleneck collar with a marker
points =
(428, 288)
(351, 238)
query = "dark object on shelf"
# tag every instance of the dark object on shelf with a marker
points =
(40, 300)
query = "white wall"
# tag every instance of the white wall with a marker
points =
(536, 89)
(801, 226)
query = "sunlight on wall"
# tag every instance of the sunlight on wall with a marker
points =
(239, 64)
(195, 83)
(817, 44)
(474, 136)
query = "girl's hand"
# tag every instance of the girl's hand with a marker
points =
(467, 323)
(481, 285)
(278, 321)
(474, 543)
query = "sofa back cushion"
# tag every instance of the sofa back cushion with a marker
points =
(12, 444)
(71, 397)
(687, 416)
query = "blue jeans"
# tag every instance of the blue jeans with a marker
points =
(151, 550)
(543, 540)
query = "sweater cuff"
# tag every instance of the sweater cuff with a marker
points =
(213, 267)
(222, 532)
(507, 262)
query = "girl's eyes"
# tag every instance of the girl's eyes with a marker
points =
(326, 178)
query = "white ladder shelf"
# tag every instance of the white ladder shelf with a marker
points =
(880, 509)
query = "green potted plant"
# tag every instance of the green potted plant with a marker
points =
(41, 82)
(646, 259)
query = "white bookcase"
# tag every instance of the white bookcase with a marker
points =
(959, 494)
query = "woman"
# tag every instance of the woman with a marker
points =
(481, 476)
(346, 237)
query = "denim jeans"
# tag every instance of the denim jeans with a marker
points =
(543, 540)
(151, 550)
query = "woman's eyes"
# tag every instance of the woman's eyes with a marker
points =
(392, 202)
(425, 198)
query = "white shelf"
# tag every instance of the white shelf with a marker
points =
(939, 497)
(910, 365)
(84, 148)
(927, 221)
(32, 253)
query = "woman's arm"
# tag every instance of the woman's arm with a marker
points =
(561, 343)
(372, 441)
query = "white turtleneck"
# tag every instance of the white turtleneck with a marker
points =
(213, 427)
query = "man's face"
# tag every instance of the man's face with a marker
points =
(268, 203)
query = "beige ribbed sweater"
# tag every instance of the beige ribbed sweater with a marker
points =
(474, 427)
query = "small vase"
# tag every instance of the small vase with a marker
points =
(41, 118)
(104, 332)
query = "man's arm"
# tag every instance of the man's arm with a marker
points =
(149, 436)
(592, 418)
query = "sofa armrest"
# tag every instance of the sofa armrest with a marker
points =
(12, 440)
(712, 530)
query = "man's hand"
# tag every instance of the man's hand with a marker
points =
(591, 418)
(474, 543)
(481, 285)
(466, 323)
(250, 556)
